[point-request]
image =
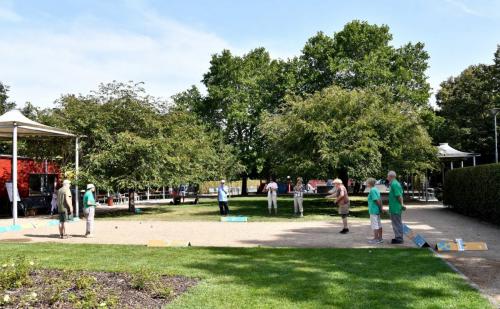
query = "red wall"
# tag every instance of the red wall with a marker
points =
(25, 167)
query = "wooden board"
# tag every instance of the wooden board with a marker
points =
(418, 239)
(158, 243)
(233, 219)
(444, 246)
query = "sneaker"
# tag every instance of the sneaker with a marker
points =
(301, 215)
(396, 241)
(344, 231)
(373, 241)
(379, 241)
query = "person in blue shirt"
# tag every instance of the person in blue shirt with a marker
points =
(222, 198)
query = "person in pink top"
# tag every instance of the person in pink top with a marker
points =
(272, 196)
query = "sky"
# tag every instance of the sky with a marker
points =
(53, 47)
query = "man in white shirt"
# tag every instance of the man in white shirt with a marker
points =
(272, 196)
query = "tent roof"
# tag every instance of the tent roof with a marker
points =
(446, 151)
(26, 126)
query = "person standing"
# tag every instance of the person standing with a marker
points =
(396, 207)
(272, 196)
(64, 207)
(298, 198)
(342, 200)
(375, 209)
(89, 205)
(222, 198)
(53, 202)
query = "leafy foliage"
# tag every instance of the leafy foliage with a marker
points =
(357, 131)
(479, 198)
(465, 102)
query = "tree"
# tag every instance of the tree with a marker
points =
(465, 102)
(132, 143)
(359, 56)
(339, 132)
(5, 105)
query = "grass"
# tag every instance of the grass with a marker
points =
(315, 209)
(278, 277)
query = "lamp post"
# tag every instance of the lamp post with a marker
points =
(495, 112)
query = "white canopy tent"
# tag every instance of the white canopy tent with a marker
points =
(448, 153)
(14, 124)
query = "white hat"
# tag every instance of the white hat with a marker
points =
(337, 180)
(391, 173)
(90, 186)
(222, 181)
(66, 182)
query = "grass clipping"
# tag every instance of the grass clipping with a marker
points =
(22, 285)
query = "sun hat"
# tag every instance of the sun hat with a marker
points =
(337, 180)
(90, 186)
(222, 181)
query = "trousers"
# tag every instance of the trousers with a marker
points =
(272, 199)
(297, 204)
(89, 213)
(397, 226)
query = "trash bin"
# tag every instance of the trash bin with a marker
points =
(110, 201)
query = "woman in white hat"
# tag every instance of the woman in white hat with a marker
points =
(342, 200)
(89, 209)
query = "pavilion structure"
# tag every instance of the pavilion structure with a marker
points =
(14, 124)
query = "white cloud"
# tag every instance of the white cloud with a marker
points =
(40, 64)
(464, 7)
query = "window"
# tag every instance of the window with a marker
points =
(41, 184)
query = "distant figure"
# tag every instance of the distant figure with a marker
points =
(89, 205)
(298, 198)
(53, 202)
(64, 207)
(222, 198)
(272, 196)
(396, 207)
(342, 200)
(375, 209)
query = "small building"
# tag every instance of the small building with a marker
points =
(36, 182)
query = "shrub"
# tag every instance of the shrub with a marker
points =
(474, 191)
(15, 273)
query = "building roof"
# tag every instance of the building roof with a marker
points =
(446, 151)
(26, 126)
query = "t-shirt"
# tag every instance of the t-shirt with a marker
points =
(272, 187)
(298, 191)
(88, 199)
(342, 191)
(64, 201)
(222, 194)
(395, 191)
(373, 196)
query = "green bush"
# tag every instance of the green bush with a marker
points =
(474, 191)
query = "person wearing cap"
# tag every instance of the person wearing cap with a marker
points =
(375, 209)
(64, 207)
(396, 207)
(342, 200)
(222, 198)
(89, 209)
(272, 196)
(298, 198)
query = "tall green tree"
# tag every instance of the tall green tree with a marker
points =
(465, 102)
(337, 132)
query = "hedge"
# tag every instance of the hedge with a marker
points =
(474, 191)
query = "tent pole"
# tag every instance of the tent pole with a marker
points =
(14, 173)
(77, 163)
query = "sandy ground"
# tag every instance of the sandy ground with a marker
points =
(434, 222)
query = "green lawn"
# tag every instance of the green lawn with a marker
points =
(253, 207)
(278, 278)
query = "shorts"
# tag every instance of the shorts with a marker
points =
(63, 216)
(344, 210)
(375, 222)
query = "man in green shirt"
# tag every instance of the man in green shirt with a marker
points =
(64, 206)
(396, 207)
(89, 209)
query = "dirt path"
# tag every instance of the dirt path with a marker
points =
(434, 222)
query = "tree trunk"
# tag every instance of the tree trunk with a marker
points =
(343, 175)
(131, 200)
(244, 185)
